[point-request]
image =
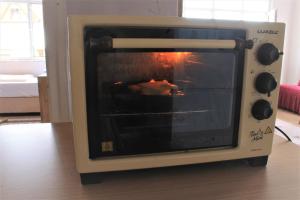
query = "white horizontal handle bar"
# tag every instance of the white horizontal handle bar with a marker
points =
(140, 43)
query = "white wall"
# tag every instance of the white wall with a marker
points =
(292, 70)
(55, 19)
(123, 7)
(288, 11)
(22, 67)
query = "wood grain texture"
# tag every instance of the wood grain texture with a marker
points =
(37, 162)
(44, 98)
(19, 104)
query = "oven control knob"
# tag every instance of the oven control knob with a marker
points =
(265, 83)
(267, 54)
(262, 110)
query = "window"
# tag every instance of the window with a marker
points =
(21, 30)
(248, 10)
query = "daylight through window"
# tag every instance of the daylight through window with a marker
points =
(248, 10)
(21, 30)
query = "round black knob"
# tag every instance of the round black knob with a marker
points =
(267, 54)
(262, 110)
(265, 83)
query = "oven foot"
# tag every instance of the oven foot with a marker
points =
(91, 178)
(258, 161)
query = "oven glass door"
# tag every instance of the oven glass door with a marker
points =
(144, 100)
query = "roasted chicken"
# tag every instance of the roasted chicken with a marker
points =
(154, 87)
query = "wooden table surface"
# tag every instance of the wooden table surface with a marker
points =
(37, 162)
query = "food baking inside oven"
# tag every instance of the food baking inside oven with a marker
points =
(160, 101)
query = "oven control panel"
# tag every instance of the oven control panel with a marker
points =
(262, 109)
(265, 82)
(263, 65)
(268, 54)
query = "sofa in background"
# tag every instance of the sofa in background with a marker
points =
(289, 97)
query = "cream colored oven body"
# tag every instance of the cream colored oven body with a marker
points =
(254, 137)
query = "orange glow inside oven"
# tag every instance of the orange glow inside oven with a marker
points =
(169, 58)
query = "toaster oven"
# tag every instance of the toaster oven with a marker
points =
(162, 91)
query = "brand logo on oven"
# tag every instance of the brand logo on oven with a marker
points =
(267, 31)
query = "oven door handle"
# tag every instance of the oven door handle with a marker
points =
(157, 43)
(153, 43)
(107, 42)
